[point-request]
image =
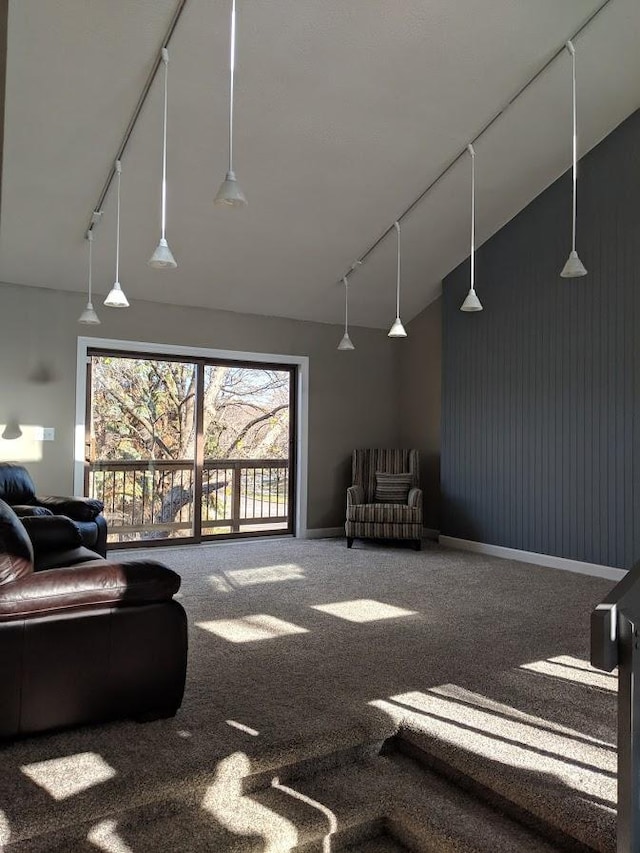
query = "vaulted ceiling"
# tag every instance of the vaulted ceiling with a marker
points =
(345, 111)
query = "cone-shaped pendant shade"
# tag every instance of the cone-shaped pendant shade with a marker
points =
(346, 342)
(397, 330)
(230, 193)
(471, 303)
(574, 267)
(89, 316)
(12, 430)
(162, 258)
(116, 297)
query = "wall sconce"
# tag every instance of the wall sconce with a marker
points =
(11, 430)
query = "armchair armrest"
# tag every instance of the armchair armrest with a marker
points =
(355, 495)
(51, 533)
(94, 584)
(415, 497)
(79, 509)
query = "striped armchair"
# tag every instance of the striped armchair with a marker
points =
(395, 512)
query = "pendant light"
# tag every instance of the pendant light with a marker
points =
(472, 303)
(12, 430)
(162, 258)
(230, 194)
(116, 297)
(397, 330)
(89, 316)
(574, 268)
(346, 343)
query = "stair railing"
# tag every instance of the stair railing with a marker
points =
(615, 643)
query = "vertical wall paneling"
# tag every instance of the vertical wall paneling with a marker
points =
(541, 390)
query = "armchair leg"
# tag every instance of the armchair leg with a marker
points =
(349, 541)
(417, 544)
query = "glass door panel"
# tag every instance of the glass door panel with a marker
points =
(142, 445)
(247, 440)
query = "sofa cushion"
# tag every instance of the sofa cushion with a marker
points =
(385, 513)
(16, 486)
(392, 488)
(16, 551)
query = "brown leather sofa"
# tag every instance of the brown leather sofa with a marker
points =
(83, 642)
(18, 490)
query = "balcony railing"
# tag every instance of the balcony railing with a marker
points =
(155, 499)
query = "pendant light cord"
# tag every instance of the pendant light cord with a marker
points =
(90, 239)
(165, 60)
(397, 227)
(119, 174)
(232, 65)
(472, 152)
(346, 305)
(572, 51)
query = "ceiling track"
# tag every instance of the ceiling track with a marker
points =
(97, 209)
(478, 136)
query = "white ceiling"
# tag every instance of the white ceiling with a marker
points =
(345, 112)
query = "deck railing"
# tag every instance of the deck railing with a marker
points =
(155, 499)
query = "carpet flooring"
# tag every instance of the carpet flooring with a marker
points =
(304, 659)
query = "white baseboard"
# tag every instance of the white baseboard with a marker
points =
(608, 572)
(430, 533)
(322, 533)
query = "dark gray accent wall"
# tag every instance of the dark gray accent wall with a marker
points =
(541, 390)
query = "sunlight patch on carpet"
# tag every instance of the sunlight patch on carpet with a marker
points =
(332, 828)
(264, 574)
(5, 829)
(225, 801)
(105, 837)
(247, 629)
(456, 693)
(363, 610)
(589, 677)
(65, 777)
(242, 727)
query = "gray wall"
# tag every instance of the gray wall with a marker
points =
(420, 370)
(541, 391)
(353, 402)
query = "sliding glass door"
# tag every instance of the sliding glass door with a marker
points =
(189, 449)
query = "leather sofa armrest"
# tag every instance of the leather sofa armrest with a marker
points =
(79, 509)
(91, 585)
(355, 495)
(415, 497)
(51, 533)
(21, 510)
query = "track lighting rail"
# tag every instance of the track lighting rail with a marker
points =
(97, 209)
(478, 136)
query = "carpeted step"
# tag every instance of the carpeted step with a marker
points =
(433, 815)
(568, 800)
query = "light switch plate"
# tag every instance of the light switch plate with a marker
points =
(48, 434)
